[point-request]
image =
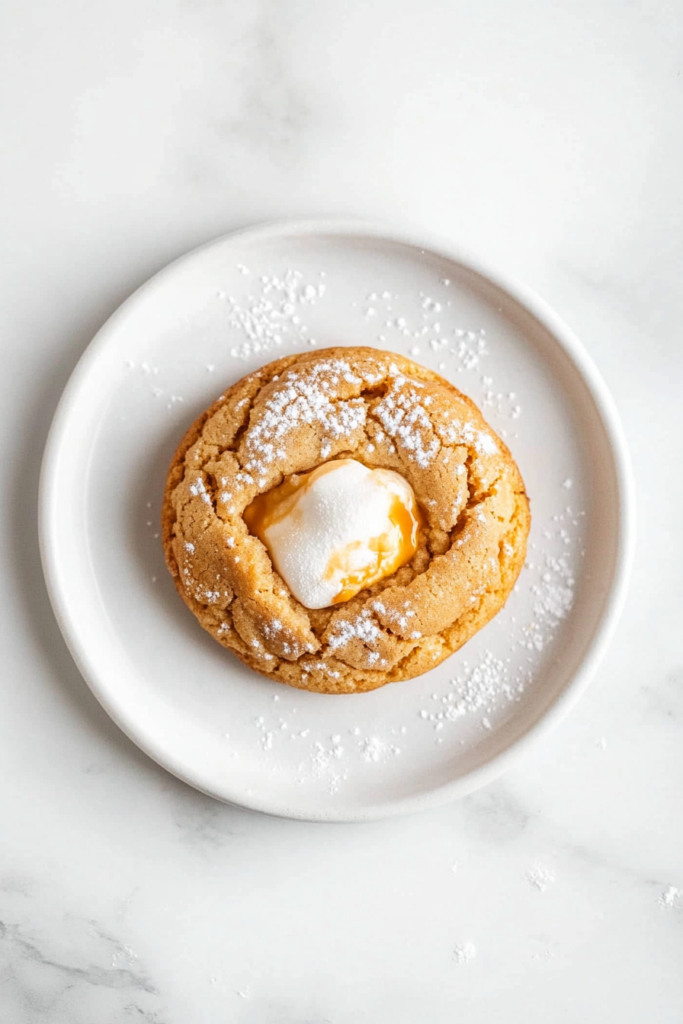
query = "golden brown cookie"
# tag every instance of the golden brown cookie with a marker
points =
(384, 411)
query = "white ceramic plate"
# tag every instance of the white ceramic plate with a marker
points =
(201, 324)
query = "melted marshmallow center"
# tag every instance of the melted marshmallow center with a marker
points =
(337, 529)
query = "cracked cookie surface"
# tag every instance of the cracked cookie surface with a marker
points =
(386, 412)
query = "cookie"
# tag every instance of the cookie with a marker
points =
(385, 412)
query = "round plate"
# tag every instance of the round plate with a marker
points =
(201, 324)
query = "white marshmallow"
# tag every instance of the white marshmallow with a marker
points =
(339, 532)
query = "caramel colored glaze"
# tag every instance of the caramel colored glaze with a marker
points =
(270, 508)
(408, 522)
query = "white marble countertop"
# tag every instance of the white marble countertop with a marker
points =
(546, 137)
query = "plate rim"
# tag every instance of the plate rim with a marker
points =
(560, 333)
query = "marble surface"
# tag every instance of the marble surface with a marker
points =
(547, 138)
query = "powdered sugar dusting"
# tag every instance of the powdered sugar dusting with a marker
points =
(671, 897)
(273, 316)
(479, 687)
(329, 759)
(464, 952)
(373, 749)
(404, 419)
(540, 877)
(467, 433)
(463, 347)
(553, 588)
(305, 401)
(362, 628)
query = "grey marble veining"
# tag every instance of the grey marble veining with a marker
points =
(54, 966)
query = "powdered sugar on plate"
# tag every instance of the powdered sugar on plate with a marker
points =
(326, 758)
(271, 315)
(479, 687)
